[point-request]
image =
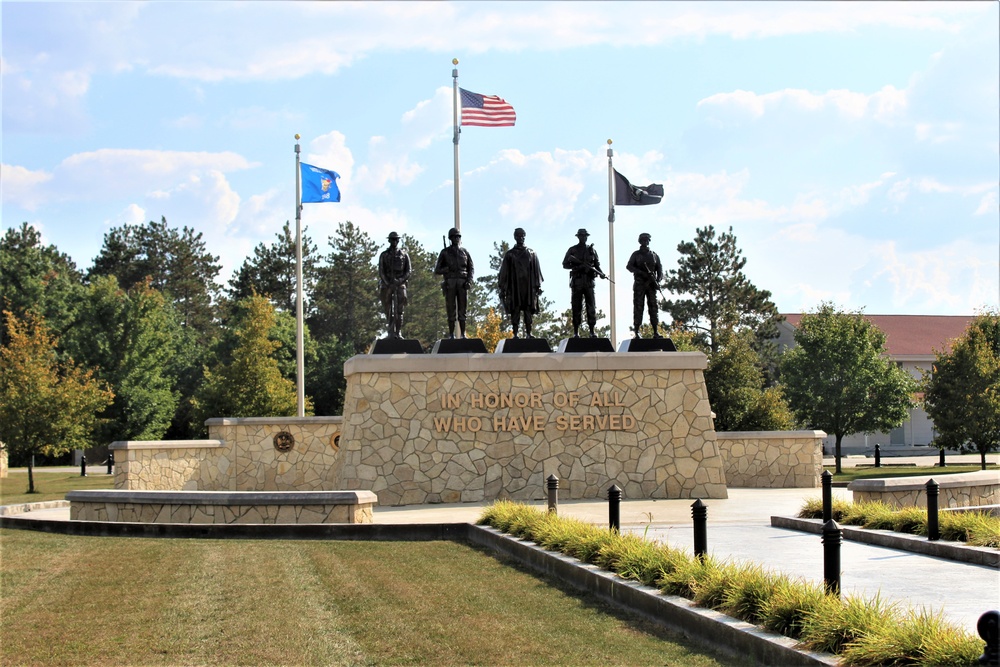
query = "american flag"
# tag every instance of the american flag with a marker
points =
(486, 110)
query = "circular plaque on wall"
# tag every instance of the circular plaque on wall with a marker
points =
(284, 441)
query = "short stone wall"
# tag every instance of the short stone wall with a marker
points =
(212, 507)
(3, 461)
(243, 454)
(772, 459)
(472, 427)
(967, 489)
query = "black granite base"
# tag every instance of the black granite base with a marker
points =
(523, 345)
(647, 345)
(459, 346)
(397, 346)
(586, 345)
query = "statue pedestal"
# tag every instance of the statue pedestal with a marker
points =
(647, 345)
(396, 346)
(450, 428)
(459, 346)
(523, 345)
(586, 345)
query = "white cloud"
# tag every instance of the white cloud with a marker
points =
(22, 186)
(886, 105)
(988, 204)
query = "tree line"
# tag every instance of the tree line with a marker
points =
(146, 344)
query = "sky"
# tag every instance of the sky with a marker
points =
(853, 148)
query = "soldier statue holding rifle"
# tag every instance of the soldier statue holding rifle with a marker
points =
(583, 265)
(454, 264)
(647, 273)
(393, 272)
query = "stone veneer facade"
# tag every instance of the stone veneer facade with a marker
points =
(471, 427)
(772, 459)
(967, 489)
(240, 456)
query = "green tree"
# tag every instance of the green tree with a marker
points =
(177, 264)
(272, 271)
(737, 392)
(346, 301)
(39, 278)
(130, 339)
(717, 296)
(560, 327)
(838, 377)
(962, 394)
(251, 384)
(46, 406)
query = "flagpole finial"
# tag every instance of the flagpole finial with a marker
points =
(454, 61)
(609, 142)
(297, 136)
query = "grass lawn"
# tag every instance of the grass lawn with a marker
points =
(139, 601)
(50, 485)
(888, 470)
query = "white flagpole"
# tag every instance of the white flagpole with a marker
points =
(454, 112)
(611, 243)
(300, 380)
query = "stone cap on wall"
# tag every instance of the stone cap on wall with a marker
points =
(223, 497)
(275, 421)
(770, 435)
(919, 482)
(530, 361)
(166, 444)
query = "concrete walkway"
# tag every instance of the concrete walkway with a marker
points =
(739, 529)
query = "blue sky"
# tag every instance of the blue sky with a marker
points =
(854, 148)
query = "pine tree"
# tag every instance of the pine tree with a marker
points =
(251, 384)
(424, 318)
(718, 297)
(736, 390)
(346, 301)
(272, 271)
(46, 406)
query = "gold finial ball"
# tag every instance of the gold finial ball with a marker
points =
(297, 136)
(609, 142)
(454, 61)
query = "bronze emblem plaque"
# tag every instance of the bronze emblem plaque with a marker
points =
(284, 441)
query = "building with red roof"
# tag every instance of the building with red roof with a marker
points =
(911, 341)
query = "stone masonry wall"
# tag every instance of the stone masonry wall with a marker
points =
(465, 428)
(772, 459)
(170, 465)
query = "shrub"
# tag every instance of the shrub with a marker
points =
(912, 520)
(835, 623)
(789, 605)
(748, 592)
(919, 638)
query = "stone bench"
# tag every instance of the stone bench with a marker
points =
(966, 489)
(222, 507)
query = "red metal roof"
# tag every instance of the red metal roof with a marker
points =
(913, 334)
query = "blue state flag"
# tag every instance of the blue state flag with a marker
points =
(318, 185)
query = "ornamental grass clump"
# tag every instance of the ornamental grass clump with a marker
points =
(920, 637)
(911, 520)
(864, 631)
(813, 509)
(790, 604)
(979, 529)
(835, 623)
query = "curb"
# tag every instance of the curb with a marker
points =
(956, 551)
(706, 627)
(24, 508)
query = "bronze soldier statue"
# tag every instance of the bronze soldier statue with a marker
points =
(647, 273)
(520, 283)
(584, 266)
(454, 264)
(393, 272)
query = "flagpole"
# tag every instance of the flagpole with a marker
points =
(454, 113)
(611, 242)
(299, 324)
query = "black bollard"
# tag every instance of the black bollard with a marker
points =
(614, 507)
(827, 479)
(111, 463)
(878, 456)
(932, 511)
(988, 627)
(832, 538)
(699, 512)
(941, 463)
(553, 485)
(83, 465)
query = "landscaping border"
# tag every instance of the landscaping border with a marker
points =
(957, 551)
